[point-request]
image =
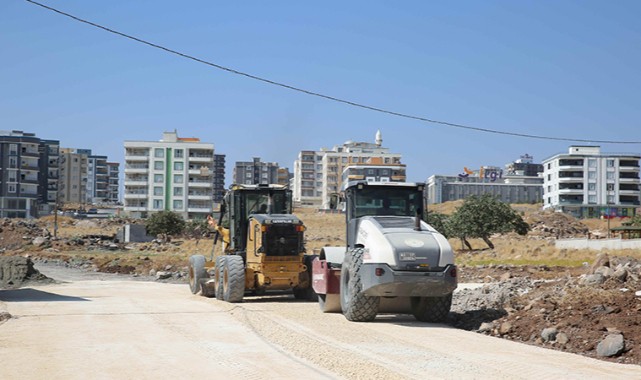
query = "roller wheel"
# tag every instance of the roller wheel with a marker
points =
(356, 306)
(197, 272)
(431, 309)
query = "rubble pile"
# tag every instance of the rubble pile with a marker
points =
(548, 224)
(593, 314)
(16, 272)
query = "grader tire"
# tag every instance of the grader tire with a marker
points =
(197, 272)
(431, 309)
(356, 306)
(233, 279)
(218, 277)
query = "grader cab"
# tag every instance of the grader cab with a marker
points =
(262, 247)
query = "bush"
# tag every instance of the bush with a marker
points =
(165, 223)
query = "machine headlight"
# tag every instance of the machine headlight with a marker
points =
(407, 256)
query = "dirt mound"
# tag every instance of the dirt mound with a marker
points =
(18, 271)
(571, 312)
(546, 224)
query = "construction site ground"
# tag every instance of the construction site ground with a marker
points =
(527, 292)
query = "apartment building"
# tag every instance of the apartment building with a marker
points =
(519, 182)
(28, 174)
(255, 172)
(588, 183)
(97, 179)
(174, 174)
(73, 175)
(219, 177)
(318, 175)
(113, 182)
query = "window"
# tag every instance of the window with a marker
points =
(549, 177)
(159, 153)
(549, 167)
(158, 204)
(592, 199)
(592, 163)
(549, 189)
(178, 178)
(591, 186)
(158, 178)
(159, 165)
(610, 175)
(178, 165)
(178, 191)
(370, 171)
(178, 153)
(178, 205)
(11, 188)
(384, 172)
(344, 160)
(157, 190)
(13, 163)
(610, 199)
(13, 149)
(248, 175)
(248, 182)
(591, 175)
(610, 187)
(610, 163)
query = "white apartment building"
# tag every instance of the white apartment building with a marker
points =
(319, 174)
(174, 174)
(587, 183)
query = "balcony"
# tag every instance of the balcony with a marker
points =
(29, 166)
(199, 183)
(137, 157)
(29, 153)
(135, 181)
(629, 169)
(199, 208)
(571, 199)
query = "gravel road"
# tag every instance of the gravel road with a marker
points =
(114, 327)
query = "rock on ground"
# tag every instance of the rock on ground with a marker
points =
(612, 345)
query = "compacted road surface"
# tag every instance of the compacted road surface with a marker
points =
(105, 327)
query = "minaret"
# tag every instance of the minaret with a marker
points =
(379, 138)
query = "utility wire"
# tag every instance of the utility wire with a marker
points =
(328, 97)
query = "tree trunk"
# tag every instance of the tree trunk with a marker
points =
(488, 242)
(466, 243)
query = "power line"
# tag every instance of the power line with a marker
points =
(327, 97)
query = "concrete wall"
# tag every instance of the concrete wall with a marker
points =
(598, 244)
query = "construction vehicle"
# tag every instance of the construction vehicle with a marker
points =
(262, 247)
(394, 262)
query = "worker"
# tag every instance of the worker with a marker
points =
(224, 232)
(263, 209)
(387, 208)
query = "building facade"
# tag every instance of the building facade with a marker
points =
(519, 182)
(587, 183)
(219, 177)
(97, 179)
(318, 175)
(73, 175)
(28, 174)
(113, 182)
(173, 174)
(255, 172)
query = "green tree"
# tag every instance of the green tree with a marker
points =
(165, 223)
(636, 220)
(482, 216)
(438, 221)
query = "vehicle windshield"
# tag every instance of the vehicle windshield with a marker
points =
(259, 203)
(386, 201)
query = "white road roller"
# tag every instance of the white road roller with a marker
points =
(394, 262)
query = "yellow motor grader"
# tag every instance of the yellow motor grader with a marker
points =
(262, 247)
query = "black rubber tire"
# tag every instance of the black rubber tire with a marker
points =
(431, 309)
(233, 279)
(300, 293)
(218, 276)
(197, 272)
(356, 306)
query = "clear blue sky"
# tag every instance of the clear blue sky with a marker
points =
(553, 68)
